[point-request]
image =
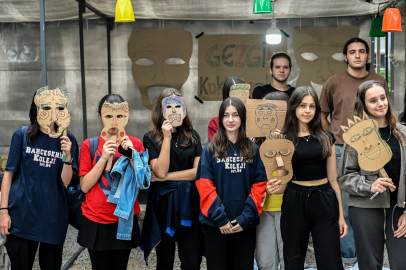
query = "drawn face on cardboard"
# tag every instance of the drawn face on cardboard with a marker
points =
(319, 53)
(174, 110)
(52, 109)
(276, 154)
(363, 135)
(240, 91)
(114, 117)
(266, 117)
(160, 59)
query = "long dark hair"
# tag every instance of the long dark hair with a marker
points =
(354, 40)
(360, 107)
(291, 125)
(228, 83)
(157, 117)
(219, 144)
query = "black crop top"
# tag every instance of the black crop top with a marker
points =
(307, 162)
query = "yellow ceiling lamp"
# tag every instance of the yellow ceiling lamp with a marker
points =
(124, 11)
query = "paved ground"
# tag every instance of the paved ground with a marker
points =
(136, 257)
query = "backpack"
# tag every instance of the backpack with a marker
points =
(77, 196)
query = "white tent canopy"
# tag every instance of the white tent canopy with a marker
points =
(56, 10)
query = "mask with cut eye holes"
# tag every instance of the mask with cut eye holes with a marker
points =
(276, 154)
(363, 135)
(174, 110)
(52, 106)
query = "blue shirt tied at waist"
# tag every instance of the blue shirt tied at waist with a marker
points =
(180, 204)
(127, 182)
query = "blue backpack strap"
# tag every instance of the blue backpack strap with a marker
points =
(94, 143)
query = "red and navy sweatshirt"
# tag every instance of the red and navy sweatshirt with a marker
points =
(230, 188)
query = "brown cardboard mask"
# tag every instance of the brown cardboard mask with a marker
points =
(319, 53)
(240, 91)
(52, 108)
(264, 116)
(160, 59)
(363, 135)
(115, 116)
(276, 154)
(174, 110)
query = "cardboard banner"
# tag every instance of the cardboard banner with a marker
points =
(319, 53)
(276, 154)
(263, 116)
(240, 91)
(160, 58)
(222, 56)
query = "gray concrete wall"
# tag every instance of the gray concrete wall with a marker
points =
(20, 68)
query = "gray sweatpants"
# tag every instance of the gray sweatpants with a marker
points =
(269, 246)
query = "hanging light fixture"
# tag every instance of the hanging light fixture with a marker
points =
(124, 11)
(376, 26)
(262, 6)
(273, 34)
(392, 21)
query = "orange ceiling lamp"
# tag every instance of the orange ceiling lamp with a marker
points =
(392, 21)
(124, 11)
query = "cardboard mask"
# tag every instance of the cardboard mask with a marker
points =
(115, 116)
(160, 58)
(276, 154)
(363, 135)
(52, 109)
(263, 116)
(174, 110)
(240, 91)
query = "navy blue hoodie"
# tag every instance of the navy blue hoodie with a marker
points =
(230, 188)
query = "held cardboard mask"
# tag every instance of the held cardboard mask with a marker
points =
(52, 109)
(240, 91)
(263, 116)
(115, 116)
(276, 154)
(363, 135)
(174, 110)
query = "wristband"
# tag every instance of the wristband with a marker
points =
(68, 163)
(404, 212)
(4, 208)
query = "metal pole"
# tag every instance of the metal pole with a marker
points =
(82, 8)
(109, 25)
(386, 57)
(43, 45)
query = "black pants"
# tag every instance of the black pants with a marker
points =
(190, 243)
(315, 210)
(370, 231)
(229, 251)
(22, 254)
(109, 259)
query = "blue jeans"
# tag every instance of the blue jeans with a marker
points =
(347, 243)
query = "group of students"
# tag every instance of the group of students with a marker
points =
(215, 201)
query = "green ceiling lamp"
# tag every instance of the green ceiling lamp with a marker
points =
(262, 6)
(376, 26)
